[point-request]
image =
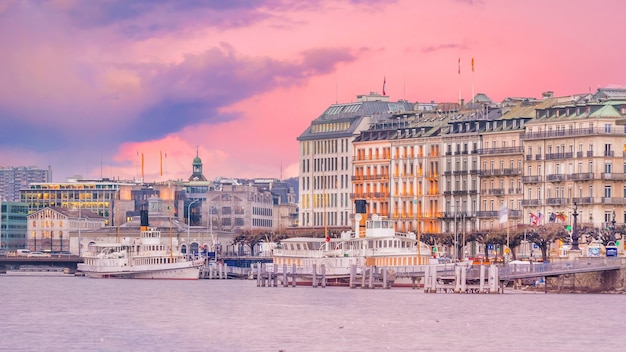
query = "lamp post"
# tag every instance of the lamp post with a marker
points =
(210, 219)
(79, 223)
(613, 227)
(463, 229)
(456, 240)
(189, 225)
(575, 229)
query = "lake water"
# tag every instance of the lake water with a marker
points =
(82, 314)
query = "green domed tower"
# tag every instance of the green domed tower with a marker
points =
(197, 169)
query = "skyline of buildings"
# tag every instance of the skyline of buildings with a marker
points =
(431, 167)
(463, 167)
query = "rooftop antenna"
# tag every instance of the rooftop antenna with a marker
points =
(459, 71)
(336, 90)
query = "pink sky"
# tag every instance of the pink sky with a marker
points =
(88, 86)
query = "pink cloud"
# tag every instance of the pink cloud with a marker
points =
(97, 84)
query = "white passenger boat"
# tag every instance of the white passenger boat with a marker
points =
(378, 245)
(145, 257)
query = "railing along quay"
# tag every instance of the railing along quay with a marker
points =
(532, 270)
(453, 277)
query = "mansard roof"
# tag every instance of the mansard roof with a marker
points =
(342, 120)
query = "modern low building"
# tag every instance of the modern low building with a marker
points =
(13, 221)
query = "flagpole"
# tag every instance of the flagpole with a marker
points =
(460, 102)
(472, 81)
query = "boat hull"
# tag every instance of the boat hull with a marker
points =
(189, 272)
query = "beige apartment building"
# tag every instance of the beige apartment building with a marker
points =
(575, 159)
(481, 166)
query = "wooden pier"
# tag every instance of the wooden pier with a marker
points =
(214, 271)
(431, 278)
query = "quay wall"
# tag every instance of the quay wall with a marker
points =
(613, 281)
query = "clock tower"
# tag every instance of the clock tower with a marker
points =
(197, 169)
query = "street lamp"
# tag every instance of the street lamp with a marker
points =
(79, 223)
(575, 229)
(189, 225)
(456, 240)
(210, 219)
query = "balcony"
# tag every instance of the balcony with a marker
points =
(531, 202)
(459, 193)
(558, 156)
(497, 191)
(609, 153)
(570, 133)
(583, 200)
(557, 201)
(614, 201)
(515, 191)
(370, 177)
(488, 214)
(555, 178)
(531, 179)
(505, 150)
(613, 177)
(582, 176)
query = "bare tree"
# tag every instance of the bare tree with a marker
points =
(543, 235)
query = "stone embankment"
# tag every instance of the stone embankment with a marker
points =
(611, 282)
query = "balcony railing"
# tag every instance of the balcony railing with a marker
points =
(488, 214)
(583, 200)
(583, 176)
(556, 156)
(613, 176)
(557, 201)
(531, 179)
(504, 150)
(531, 202)
(555, 178)
(614, 201)
(570, 133)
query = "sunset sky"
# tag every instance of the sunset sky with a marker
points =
(88, 86)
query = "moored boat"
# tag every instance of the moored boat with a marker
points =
(377, 246)
(144, 257)
(39, 270)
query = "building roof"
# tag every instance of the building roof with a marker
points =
(342, 120)
(74, 213)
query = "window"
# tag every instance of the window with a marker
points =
(607, 191)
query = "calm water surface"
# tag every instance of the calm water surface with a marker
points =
(81, 314)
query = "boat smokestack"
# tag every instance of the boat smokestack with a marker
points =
(143, 215)
(360, 217)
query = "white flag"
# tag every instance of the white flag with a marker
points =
(504, 214)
